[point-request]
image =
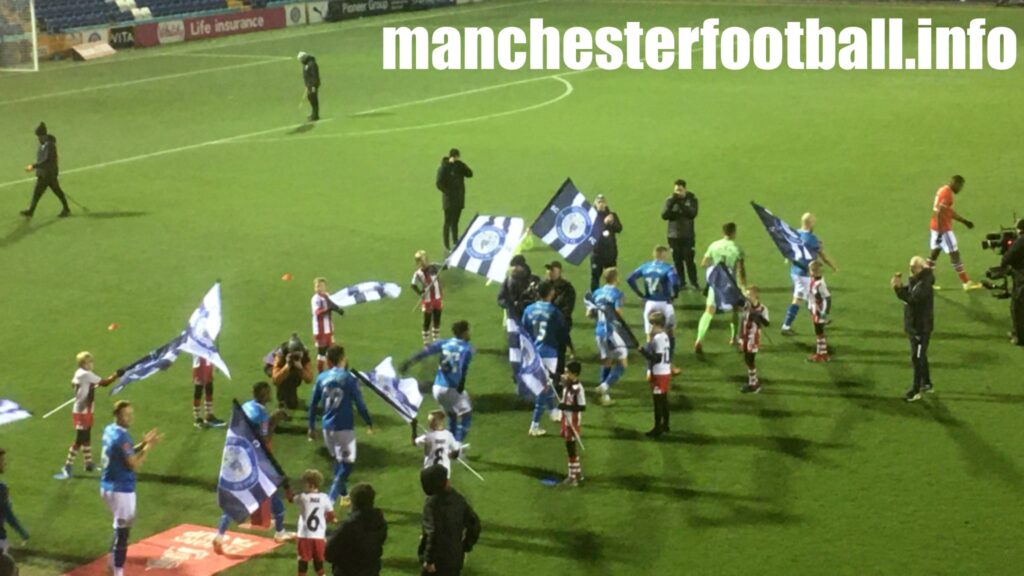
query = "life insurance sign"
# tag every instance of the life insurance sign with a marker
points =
(573, 225)
(239, 470)
(486, 242)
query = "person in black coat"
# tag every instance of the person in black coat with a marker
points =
(918, 320)
(565, 301)
(355, 549)
(1013, 262)
(311, 78)
(519, 289)
(46, 169)
(679, 211)
(451, 181)
(606, 251)
(450, 526)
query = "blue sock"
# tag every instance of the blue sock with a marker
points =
(340, 485)
(615, 374)
(791, 314)
(463, 430)
(222, 526)
(277, 511)
(545, 401)
(604, 373)
(453, 424)
(120, 546)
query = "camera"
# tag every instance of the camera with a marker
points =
(998, 277)
(999, 241)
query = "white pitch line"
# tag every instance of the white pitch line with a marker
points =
(134, 82)
(244, 56)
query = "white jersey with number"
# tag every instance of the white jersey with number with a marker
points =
(84, 384)
(313, 510)
(437, 448)
(660, 347)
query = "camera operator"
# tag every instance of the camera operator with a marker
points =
(1013, 263)
(292, 367)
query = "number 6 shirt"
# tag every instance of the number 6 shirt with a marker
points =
(314, 513)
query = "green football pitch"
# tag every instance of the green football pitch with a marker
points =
(195, 166)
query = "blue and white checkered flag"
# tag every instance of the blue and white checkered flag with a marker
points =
(785, 237)
(365, 292)
(11, 412)
(569, 224)
(203, 329)
(248, 473)
(527, 369)
(487, 246)
(402, 394)
(160, 359)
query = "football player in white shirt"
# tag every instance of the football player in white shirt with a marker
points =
(659, 370)
(439, 445)
(323, 324)
(83, 384)
(315, 511)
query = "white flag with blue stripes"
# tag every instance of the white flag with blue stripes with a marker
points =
(527, 369)
(487, 246)
(786, 239)
(569, 224)
(203, 329)
(248, 473)
(402, 394)
(11, 412)
(160, 359)
(365, 292)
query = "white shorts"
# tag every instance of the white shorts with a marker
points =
(944, 240)
(801, 286)
(612, 348)
(341, 444)
(451, 401)
(665, 308)
(550, 365)
(121, 505)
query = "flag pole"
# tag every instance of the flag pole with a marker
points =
(447, 257)
(57, 409)
(577, 435)
(468, 467)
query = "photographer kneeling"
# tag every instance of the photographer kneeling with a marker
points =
(1013, 263)
(292, 366)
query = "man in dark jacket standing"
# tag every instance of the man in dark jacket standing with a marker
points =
(450, 526)
(565, 301)
(311, 78)
(451, 181)
(356, 548)
(46, 172)
(680, 211)
(606, 251)
(918, 297)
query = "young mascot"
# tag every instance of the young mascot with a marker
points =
(315, 511)
(323, 325)
(572, 404)
(84, 384)
(439, 445)
(755, 317)
(819, 301)
(658, 352)
(427, 283)
(202, 393)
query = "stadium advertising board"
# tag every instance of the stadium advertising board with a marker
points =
(122, 37)
(296, 14)
(200, 27)
(347, 9)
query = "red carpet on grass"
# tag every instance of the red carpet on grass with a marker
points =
(185, 550)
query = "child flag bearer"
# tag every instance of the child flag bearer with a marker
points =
(572, 405)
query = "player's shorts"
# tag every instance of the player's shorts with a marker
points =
(82, 421)
(751, 343)
(341, 444)
(121, 505)
(568, 432)
(431, 305)
(665, 308)
(324, 340)
(945, 240)
(712, 301)
(659, 383)
(202, 375)
(311, 549)
(612, 347)
(550, 364)
(452, 401)
(801, 286)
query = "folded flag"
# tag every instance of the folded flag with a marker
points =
(248, 473)
(11, 412)
(402, 394)
(785, 237)
(569, 224)
(487, 246)
(365, 292)
(614, 319)
(155, 361)
(203, 329)
(527, 369)
(727, 293)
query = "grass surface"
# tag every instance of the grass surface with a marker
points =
(825, 472)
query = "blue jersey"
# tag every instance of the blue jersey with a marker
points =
(606, 296)
(257, 414)
(117, 448)
(660, 281)
(455, 357)
(543, 323)
(810, 241)
(339, 390)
